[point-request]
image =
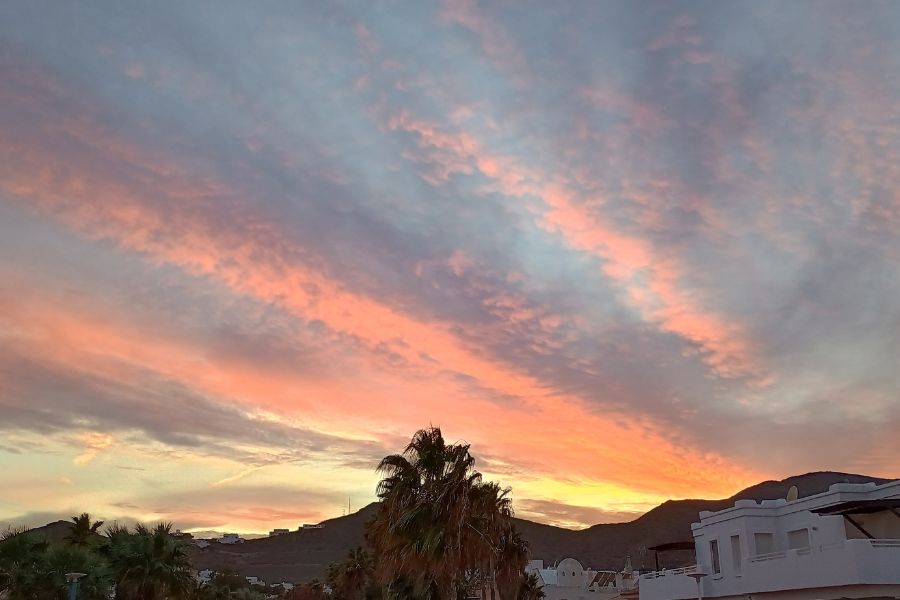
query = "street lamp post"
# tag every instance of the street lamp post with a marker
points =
(697, 577)
(72, 580)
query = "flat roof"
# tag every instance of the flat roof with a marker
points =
(859, 507)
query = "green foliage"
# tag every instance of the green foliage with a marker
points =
(210, 592)
(22, 556)
(95, 585)
(33, 569)
(530, 588)
(144, 564)
(353, 578)
(229, 579)
(148, 564)
(314, 590)
(248, 594)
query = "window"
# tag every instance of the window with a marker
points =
(714, 556)
(798, 538)
(736, 554)
(764, 543)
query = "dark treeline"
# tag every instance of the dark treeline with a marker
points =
(440, 533)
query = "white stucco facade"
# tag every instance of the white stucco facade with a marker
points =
(785, 549)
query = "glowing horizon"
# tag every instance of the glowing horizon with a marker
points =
(629, 252)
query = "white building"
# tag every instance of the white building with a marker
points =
(285, 585)
(205, 576)
(569, 580)
(231, 538)
(254, 580)
(843, 543)
(311, 526)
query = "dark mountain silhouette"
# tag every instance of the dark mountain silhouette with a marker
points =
(296, 556)
(305, 555)
(605, 546)
(56, 531)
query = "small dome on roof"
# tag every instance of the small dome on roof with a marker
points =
(569, 564)
(569, 573)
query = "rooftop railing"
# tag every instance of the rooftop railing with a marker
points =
(669, 572)
(781, 554)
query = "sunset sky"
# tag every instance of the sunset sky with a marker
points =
(629, 251)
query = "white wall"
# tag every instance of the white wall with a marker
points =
(830, 558)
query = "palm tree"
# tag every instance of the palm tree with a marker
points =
(22, 559)
(511, 560)
(95, 585)
(351, 578)
(148, 564)
(33, 569)
(83, 531)
(490, 520)
(416, 532)
(531, 588)
(440, 529)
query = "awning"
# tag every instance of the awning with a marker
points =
(860, 507)
(672, 546)
(669, 547)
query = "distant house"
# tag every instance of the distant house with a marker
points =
(309, 526)
(201, 543)
(181, 535)
(254, 580)
(569, 580)
(285, 585)
(231, 538)
(205, 576)
(275, 532)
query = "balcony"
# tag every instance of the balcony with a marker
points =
(849, 562)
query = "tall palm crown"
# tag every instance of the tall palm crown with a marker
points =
(439, 527)
(148, 564)
(83, 530)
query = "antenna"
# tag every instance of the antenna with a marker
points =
(793, 493)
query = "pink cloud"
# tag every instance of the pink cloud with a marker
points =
(498, 46)
(103, 186)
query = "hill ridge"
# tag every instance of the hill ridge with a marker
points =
(304, 555)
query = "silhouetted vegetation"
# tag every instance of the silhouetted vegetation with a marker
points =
(440, 533)
(140, 564)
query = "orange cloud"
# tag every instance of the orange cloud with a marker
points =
(652, 281)
(104, 187)
(94, 443)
